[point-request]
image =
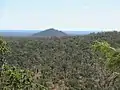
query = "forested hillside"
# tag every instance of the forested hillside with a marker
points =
(66, 63)
(51, 32)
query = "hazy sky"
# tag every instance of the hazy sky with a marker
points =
(61, 14)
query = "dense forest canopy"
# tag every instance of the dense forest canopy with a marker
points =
(89, 62)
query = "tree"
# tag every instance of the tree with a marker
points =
(111, 55)
(3, 51)
(14, 78)
(108, 61)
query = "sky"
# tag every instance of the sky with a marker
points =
(60, 14)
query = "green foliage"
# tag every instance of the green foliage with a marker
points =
(104, 47)
(3, 47)
(68, 63)
(3, 51)
(111, 54)
(13, 78)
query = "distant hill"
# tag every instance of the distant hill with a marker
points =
(28, 33)
(50, 33)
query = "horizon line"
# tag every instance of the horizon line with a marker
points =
(61, 29)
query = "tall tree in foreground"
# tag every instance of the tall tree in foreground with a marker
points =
(108, 65)
(111, 55)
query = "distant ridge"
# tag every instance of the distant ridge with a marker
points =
(51, 32)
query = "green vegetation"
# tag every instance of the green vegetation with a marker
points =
(13, 78)
(89, 62)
